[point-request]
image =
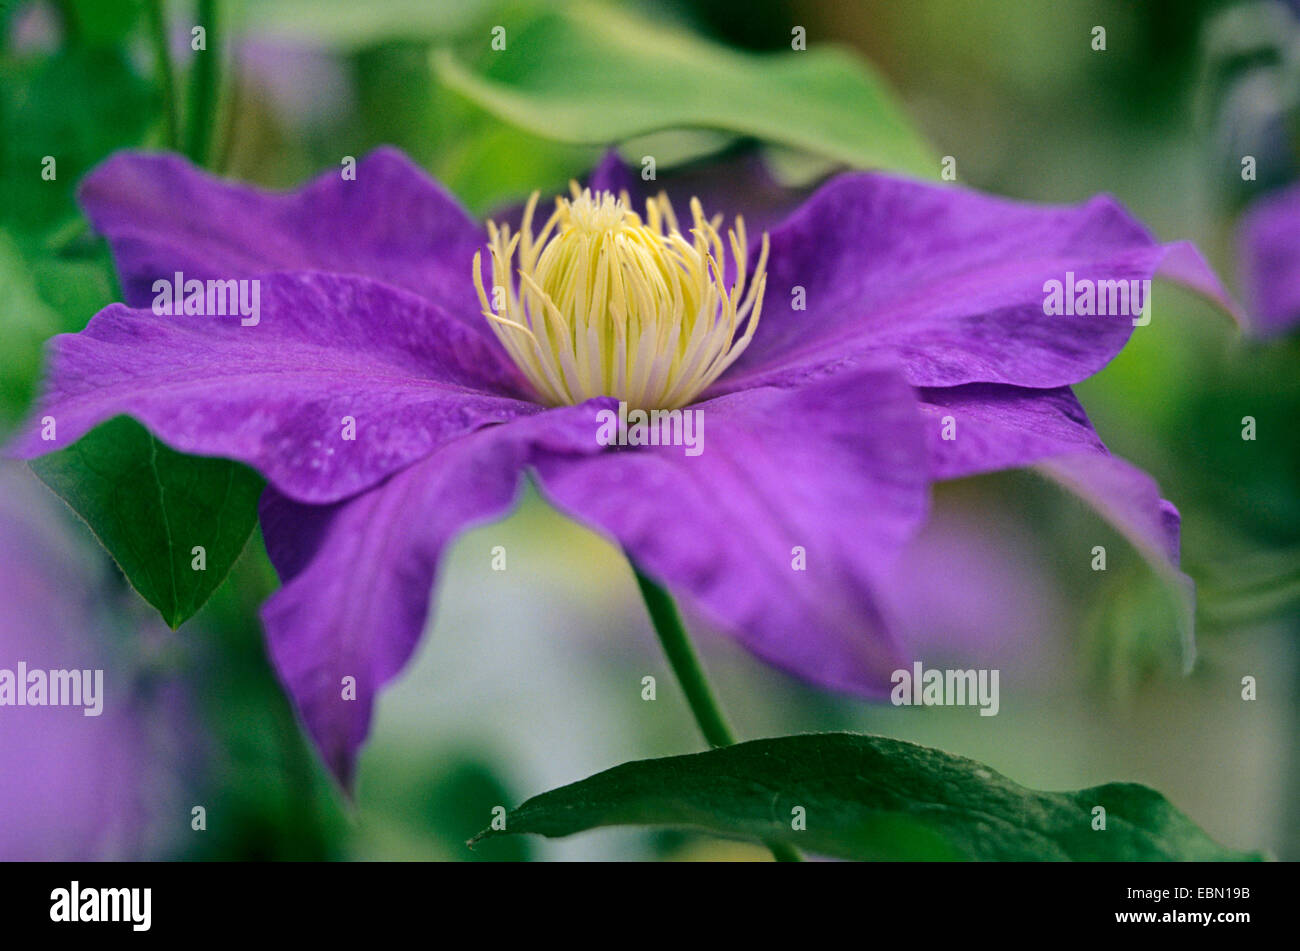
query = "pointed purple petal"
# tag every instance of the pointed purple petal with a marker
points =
(836, 469)
(951, 282)
(358, 575)
(1000, 427)
(275, 395)
(1129, 500)
(393, 223)
(1125, 496)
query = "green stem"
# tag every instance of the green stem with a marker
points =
(166, 75)
(203, 86)
(686, 665)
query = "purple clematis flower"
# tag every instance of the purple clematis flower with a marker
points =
(827, 359)
(1270, 241)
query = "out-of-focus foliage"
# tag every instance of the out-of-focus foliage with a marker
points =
(1249, 96)
(1027, 108)
(586, 73)
(75, 107)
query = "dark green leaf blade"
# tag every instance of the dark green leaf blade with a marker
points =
(870, 797)
(151, 506)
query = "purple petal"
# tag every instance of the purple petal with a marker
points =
(1270, 243)
(1001, 427)
(1129, 500)
(275, 395)
(1125, 496)
(392, 223)
(836, 468)
(950, 282)
(358, 575)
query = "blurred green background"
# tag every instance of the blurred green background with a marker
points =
(531, 678)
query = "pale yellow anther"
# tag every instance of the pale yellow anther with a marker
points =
(602, 303)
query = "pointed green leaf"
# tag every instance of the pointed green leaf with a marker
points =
(870, 797)
(151, 507)
(592, 74)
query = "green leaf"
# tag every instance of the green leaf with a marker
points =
(869, 797)
(151, 506)
(592, 74)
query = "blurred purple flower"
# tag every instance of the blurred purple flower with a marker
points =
(76, 787)
(34, 28)
(307, 86)
(1270, 246)
(974, 587)
(890, 306)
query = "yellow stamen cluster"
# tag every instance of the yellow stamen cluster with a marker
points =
(607, 304)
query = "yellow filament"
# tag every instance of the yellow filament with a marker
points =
(602, 303)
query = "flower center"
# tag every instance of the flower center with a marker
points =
(608, 304)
